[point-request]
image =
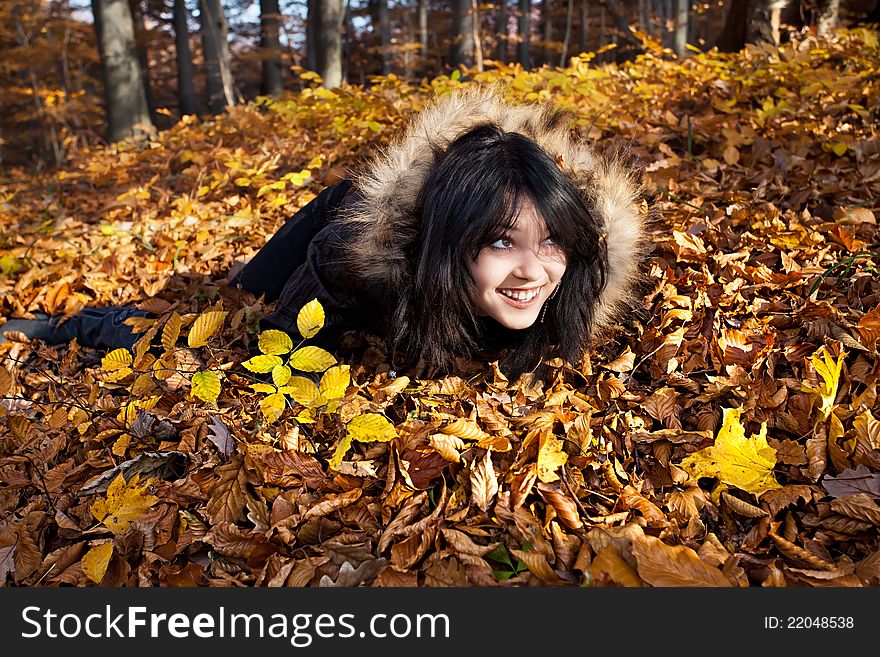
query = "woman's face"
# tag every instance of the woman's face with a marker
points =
(517, 274)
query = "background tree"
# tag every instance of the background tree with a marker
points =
(127, 111)
(326, 27)
(681, 26)
(524, 28)
(461, 47)
(270, 25)
(183, 56)
(215, 44)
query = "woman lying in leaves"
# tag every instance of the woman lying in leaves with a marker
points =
(487, 229)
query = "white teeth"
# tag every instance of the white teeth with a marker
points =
(520, 296)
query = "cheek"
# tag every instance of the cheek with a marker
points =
(556, 269)
(486, 272)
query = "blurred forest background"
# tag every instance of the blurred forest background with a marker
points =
(78, 73)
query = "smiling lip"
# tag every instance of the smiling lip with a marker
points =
(521, 304)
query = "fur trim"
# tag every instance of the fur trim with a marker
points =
(390, 185)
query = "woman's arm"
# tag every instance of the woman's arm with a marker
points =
(269, 270)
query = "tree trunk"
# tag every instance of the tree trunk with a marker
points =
(422, 9)
(681, 26)
(383, 27)
(585, 25)
(525, 31)
(762, 23)
(140, 42)
(478, 43)
(546, 30)
(217, 59)
(313, 19)
(461, 49)
(328, 42)
(501, 31)
(409, 40)
(270, 24)
(620, 22)
(185, 93)
(733, 35)
(827, 14)
(566, 39)
(127, 111)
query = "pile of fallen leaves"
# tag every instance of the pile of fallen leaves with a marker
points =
(727, 437)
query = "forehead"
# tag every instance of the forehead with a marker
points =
(527, 219)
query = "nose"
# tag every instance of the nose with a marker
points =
(528, 266)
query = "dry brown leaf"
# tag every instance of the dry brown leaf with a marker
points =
(660, 564)
(741, 507)
(229, 495)
(484, 483)
(565, 507)
(799, 555)
(817, 453)
(538, 566)
(859, 506)
(331, 503)
(609, 567)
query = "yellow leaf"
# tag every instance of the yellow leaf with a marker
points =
(372, 427)
(310, 319)
(128, 412)
(116, 360)
(311, 359)
(280, 375)
(264, 387)
(273, 406)
(746, 463)
(829, 371)
(96, 560)
(120, 447)
(335, 381)
(204, 327)
(839, 148)
(119, 374)
(170, 332)
(339, 452)
(550, 458)
(302, 390)
(206, 386)
(274, 342)
(124, 502)
(9, 265)
(262, 364)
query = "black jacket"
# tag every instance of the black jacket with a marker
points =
(301, 262)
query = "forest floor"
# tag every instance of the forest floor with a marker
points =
(725, 437)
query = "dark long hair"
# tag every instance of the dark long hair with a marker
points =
(470, 199)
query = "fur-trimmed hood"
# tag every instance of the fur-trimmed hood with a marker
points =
(389, 187)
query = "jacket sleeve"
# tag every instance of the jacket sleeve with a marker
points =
(275, 263)
(346, 301)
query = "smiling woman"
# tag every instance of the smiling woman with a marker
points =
(488, 228)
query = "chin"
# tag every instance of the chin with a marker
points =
(517, 325)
